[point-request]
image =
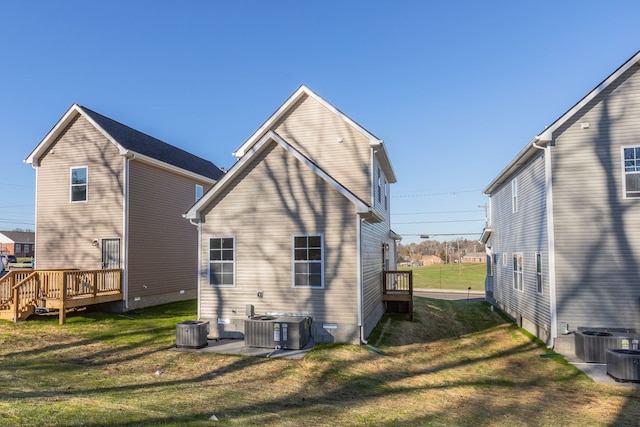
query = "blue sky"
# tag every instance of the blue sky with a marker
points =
(454, 88)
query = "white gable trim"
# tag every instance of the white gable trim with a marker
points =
(76, 110)
(228, 178)
(302, 91)
(546, 136)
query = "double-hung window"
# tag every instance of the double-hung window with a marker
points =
(199, 191)
(308, 261)
(79, 181)
(631, 167)
(222, 257)
(517, 272)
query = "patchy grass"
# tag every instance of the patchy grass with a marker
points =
(449, 276)
(457, 363)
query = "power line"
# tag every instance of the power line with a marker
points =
(438, 222)
(443, 193)
(433, 212)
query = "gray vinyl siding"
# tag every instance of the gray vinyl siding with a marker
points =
(597, 232)
(275, 198)
(163, 246)
(314, 131)
(65, 231)
(373, 237)
(524, 232)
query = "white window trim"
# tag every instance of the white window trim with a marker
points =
(199, 191)
(71, 184)
(505, 260)
(209, 262)
(539, 276)
(624, 172)
(518, 285)
(294, 262)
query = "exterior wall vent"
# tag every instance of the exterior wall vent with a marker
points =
(192, 334)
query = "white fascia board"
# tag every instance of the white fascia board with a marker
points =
(360, 206)
(133, 155)
(193, 213)
(547, 135)
(383, 160)
(51, 136)
(301, 91)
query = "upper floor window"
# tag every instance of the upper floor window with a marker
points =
(386, 194)
(631, 181)
(514, 195)
(199, 191)
(222, 261)
(308, 256)
(79, 181)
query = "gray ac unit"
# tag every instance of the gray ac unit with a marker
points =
(192, 334)
(277, 332)
(623, 365)
(592, 343)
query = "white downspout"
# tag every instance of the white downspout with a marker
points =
(550, 239)
(359, 280)
(125, 231)
(199, 228)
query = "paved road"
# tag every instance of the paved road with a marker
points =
(449, 294)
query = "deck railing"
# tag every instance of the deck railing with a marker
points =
(22, 291)
(397, 290)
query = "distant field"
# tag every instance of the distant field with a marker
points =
(449, 276)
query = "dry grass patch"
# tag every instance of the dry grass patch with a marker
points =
(458, 363)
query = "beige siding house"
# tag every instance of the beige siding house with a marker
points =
(299, 226)
(108, 196)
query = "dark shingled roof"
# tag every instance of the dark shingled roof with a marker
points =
(20, 236)
(139, 142)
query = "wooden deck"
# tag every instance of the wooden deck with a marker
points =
(23, 292)
(397, 291)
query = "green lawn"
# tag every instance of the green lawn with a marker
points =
(458, 363)
(450, 276)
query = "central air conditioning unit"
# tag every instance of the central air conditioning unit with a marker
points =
(591, 343)
(623, 365)
(192, 334)
(284, 332)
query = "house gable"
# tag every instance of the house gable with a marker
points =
(333, 140)
(131, 144)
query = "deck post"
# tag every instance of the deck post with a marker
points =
(63, 296)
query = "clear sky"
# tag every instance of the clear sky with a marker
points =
(454, 88)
